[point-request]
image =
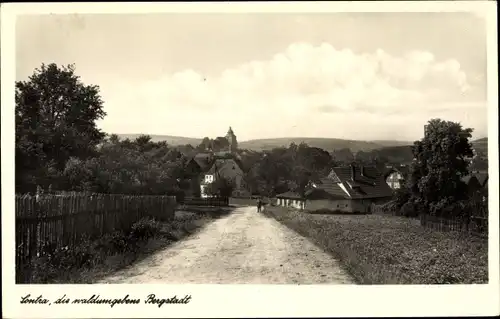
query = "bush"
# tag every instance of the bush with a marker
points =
(402, 196)
(409, 209)
(145, 228)
(112, 243)
(56, 261)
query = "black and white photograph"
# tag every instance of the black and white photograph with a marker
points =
(264, 148)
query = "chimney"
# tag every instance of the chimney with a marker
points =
(352, 172)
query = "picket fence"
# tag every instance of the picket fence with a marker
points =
(476, 225)
(63, 220)
(384, 210)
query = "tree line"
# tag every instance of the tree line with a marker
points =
(58, 144)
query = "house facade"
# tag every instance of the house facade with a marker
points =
(395, 177)
(227, 168)
(348, 189)
(290, 199)
(194, 170)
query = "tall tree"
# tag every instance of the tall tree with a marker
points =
(441, 160)
(56, 118)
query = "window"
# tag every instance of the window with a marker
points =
(209, 178)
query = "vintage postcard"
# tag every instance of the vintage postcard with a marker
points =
(279, 159)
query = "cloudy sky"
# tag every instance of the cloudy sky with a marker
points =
(345, 75)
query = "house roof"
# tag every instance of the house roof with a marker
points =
(353, 182)
(289, 195)
(404, 170)
(482, 178)
(204, 160)
(222, 166)
(326, 188)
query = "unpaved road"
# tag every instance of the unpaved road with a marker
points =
(244, 247)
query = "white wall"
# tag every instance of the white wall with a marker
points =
(393, 180)
(295, 203)
(341, 205)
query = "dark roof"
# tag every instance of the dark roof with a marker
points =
(204, 160)
(220, 165)
(404, 170)
(289, 195)
(326, 188)
(482, 178)
(353, 182)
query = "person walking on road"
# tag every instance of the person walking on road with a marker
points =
(259, 205)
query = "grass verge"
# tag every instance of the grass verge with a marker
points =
(94, 260)
(377, 249)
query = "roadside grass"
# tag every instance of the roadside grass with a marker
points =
(94, 260)
(377, 249)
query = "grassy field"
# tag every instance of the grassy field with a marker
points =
(392, 250)
(97, 259)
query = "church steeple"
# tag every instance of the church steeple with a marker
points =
(231, 138)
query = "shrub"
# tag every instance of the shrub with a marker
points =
(56, 261)
(402, 196)
(409, 210)
(112, 243)
(145, 228)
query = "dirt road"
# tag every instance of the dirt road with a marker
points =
(244, 247)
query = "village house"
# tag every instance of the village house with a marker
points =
(204, 167)
(290, 199)
(194, 170)
(227, 168)
(395, 176)
(476, 181)
(349, 189)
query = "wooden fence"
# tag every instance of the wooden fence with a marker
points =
(62, 220)
(475, 225)
(385, 210)
(209, 201)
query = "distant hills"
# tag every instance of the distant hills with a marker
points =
(481, 146)
(393, 149)
(328, 144)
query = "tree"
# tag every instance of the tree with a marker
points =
(343, 156)
(56, 118)
(221, 187)
(441, 160)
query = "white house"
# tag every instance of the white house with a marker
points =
(226, 168)
(290, 199)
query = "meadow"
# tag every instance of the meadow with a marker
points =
(377, 249)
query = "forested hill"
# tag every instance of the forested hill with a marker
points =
(397, 151)
(328, 144)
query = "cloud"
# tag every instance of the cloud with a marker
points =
(307, 80)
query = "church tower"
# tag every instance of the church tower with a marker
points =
(231, 138)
